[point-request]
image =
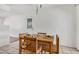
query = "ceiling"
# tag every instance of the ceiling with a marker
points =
(11, 9)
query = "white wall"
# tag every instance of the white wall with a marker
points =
(17, 20)
(16, 23)
(58, 19)
(54, 19)
(77, 41)
(4, 33)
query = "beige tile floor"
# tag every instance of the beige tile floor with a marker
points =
(13, 48)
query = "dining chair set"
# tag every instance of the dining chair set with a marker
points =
(38, 43)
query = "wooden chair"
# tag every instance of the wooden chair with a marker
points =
(21, 42)
(46, 47)
(55, 48)
(29, 44)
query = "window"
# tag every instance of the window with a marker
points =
(29, 23)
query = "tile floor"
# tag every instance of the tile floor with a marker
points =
(13, 48)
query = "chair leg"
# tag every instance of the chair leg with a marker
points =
(20, 51)
(57, 52)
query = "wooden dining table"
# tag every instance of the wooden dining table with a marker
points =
(44, 41)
